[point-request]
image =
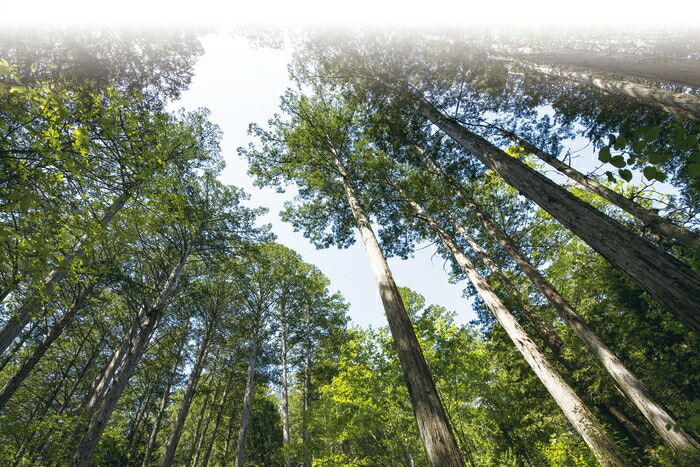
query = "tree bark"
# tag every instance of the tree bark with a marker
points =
(285, 395)
(438, 440)
(14, 383)
(217, 423)
(31, 306)
(248, 396)
(187, 398)
(650, 218)
(676, 103)
(633, 388)
(665, 70)
(673, 284)
(163, 403)
(101, 415)
(573, 407)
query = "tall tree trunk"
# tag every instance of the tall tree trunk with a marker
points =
(665, 70)
(205, 427)
(14, 383)
(101, 415)
(650, 218)
(33, 305)
(217, 423)
(164, 402)
(248, 395)
(7, 358)
(676, 103)
(187, 398)
(633, 388)
(306, 392)
(285, 395)
(436, 434)
(197, 431)
(573, 407)
(673, 284)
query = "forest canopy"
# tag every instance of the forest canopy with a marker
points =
(149, 317)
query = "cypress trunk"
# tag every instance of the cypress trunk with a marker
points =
(438, 440)
(247, 397)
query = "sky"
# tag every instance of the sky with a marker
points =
(240, 85)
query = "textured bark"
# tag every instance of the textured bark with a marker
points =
(14, 383)
(247, 397)
(658, 223)
(436, 434)
(573, 407)
(631, 386)
(188, 396)
(680, 71)
(100, 416)
(163, 403)
(32, 306)
(673, 284)
(676, 103)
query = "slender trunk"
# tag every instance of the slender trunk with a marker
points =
(632, 387)
(436, 434)
(101, 415)
(187, 398)
(665, 70)
(676, 103)
(227, 442)
(32, 306)
(285, 395)
(650, 218)
(673, 284)
(306, 393)
(7, 358)
(197, 431)
(217, 423)
(164, 402)
(132, 445)
(247, 396)
(14, 383)
(205, 429)
(573, 407)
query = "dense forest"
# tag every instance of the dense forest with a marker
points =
(148, 316)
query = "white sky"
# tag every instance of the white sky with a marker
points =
(241, 85)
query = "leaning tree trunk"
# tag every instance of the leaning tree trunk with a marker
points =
(217, 423)
(673, 284)
(31, 307)
(573, 407)
(633, 388)
(285, 394)
(164, 401)
(650, 218)
(676, 103)
(685, 72)
(187, 398)
(438, 440)
(247, 396)
(103, 412)
(14, 383)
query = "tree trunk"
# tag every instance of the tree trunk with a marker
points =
(164, 402)
(676, 103)
(632, 387)
(14, 383)
(187, 397)
(650, 218)
(32, 306)
(197, 431)
(101, 415)
(438, 440)
(573, 407)
(673, 284)
(285, 395)
(665, 70)
(217, 423)
(247, 396)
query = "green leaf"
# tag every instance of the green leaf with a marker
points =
(611, 177)
(694, 170)
(638, 145)
(620, 142)
(604, 154)
(652, 133)
(650, 172)
(660, 176)
(618, 161)
(694, 157)
(625, 174)
(691, 141)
